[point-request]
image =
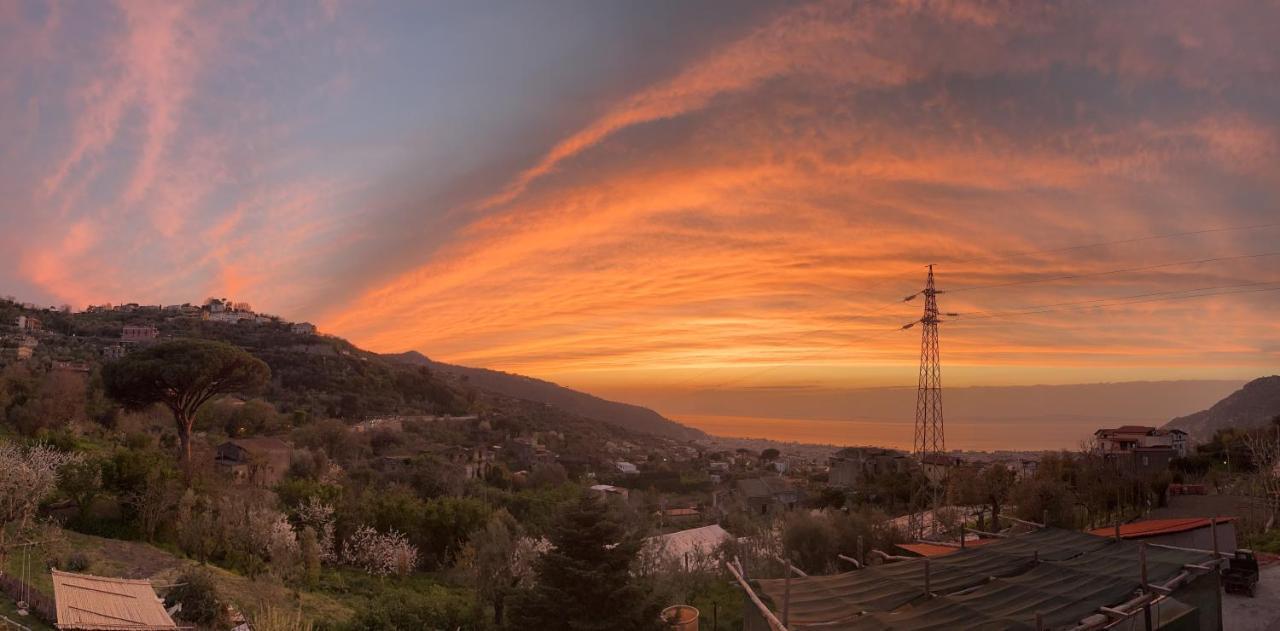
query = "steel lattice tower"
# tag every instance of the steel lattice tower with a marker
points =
(929, 434)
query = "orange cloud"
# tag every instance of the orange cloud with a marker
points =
(763, 208)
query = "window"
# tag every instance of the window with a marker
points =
(1145, 461)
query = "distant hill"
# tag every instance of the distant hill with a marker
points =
(1251, 406)
(632, 417)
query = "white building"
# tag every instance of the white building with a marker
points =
(303, 328)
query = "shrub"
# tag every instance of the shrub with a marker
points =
(76, 562)
(198, 595)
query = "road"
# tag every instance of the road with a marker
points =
(1260, 613)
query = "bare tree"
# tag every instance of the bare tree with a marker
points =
(1264, 449)
(27, 476)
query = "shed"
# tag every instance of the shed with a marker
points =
(1184, 532)
(262, 461)
(96, 603)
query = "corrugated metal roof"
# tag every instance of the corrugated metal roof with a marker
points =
(1064, 575)
(96, 603)
(1156, 527)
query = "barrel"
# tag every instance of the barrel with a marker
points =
(680, 618)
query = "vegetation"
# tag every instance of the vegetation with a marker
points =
(183, 375)
(584, 582)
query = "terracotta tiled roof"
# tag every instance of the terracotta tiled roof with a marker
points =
(95, 603)
(1156, 527)
(682, 512)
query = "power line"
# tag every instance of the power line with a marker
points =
(1130, 302)
(997, 314)
(1155, 237)
(1116, 271)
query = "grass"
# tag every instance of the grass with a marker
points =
(9, 610)
(133, 559)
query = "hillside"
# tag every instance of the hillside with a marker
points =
(631, 417)
(321, 376)
(1253, 405)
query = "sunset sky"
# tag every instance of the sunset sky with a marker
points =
(639, 197)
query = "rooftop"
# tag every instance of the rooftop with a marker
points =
(1060, 574)
(95, 603)
(1156, 527)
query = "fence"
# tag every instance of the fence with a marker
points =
(38, 604)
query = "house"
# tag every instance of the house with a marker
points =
(1125, 438)
(95, 603)
(852, 466)
(626, 468)
(230, 317)
(390, 423)
(608, 490)
(137, 334)
(937, 467)
(767, 496)
(258, 461)
(303, 328)
(24, 346)
(27, 323)
(71, 366)
(18, 353)
(678, 515)
(113, 352)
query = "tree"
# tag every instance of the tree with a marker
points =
(990, 486)
(380, 554)
(584, 582)
(27, 476)
(183, 375)
(498, 561)
(810, 542)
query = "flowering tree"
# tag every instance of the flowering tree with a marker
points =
(27, 476)
(318, 516)
(380, 554)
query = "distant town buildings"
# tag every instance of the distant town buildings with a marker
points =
(303, 328)
(626, 468)
(113, 352)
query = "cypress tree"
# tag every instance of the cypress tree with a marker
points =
(584, 582)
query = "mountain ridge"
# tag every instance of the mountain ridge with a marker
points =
(633, 417)
(1253, 405)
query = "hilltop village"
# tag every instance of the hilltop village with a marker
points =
(351, 490)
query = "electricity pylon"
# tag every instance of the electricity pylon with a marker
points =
(929, 430)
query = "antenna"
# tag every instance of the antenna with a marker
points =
(929, 430)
